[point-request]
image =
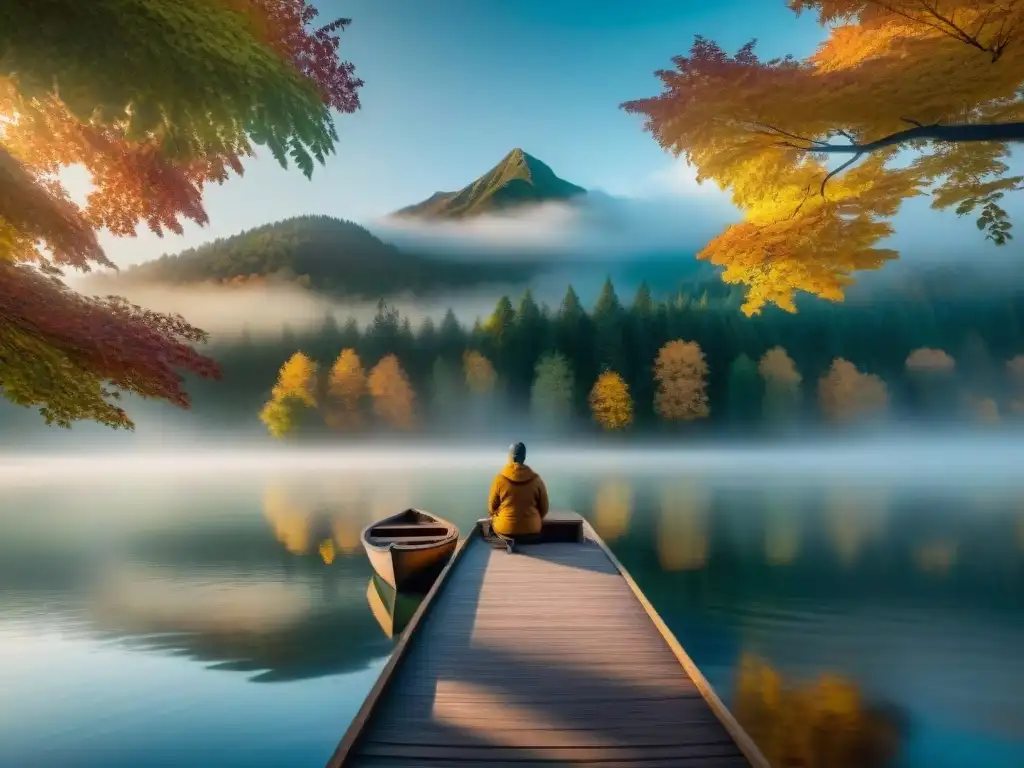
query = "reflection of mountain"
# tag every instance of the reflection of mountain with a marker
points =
(824, 724)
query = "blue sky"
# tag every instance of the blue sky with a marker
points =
(452, 86)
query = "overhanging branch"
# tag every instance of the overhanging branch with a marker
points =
(958, 133)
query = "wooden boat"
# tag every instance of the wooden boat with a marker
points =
(392, 610)
(548, 656)
(408, 550)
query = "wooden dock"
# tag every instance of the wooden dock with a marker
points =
(547, 656)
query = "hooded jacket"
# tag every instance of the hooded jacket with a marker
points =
(518, 502)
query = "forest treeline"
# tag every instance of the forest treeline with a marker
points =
(646, 366)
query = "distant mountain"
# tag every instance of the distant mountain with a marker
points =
(321, 253)
(519, 179)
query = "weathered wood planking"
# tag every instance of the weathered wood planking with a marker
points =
(549, 656)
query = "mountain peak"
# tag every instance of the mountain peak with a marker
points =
(519, 179)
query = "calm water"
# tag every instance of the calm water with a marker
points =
(162, 613)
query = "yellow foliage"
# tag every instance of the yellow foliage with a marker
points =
(327, 551)
(846, 393)
(810, 151)
(480, 375)
(610, 402)
(297, 379)
(681, 373)
(931, 360)
(346, 388)
(280, 416)
(393, 396)
(822, 723)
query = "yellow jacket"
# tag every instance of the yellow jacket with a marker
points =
(518, 502)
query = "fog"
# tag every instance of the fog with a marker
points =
(950, 459)
(595, 227)
(265, 310)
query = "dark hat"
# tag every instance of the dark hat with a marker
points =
(517, 453)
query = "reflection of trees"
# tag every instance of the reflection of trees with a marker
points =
(854, 517)
(822, 724)
(682, 534)
(328, 517)
(613, 506)
(936, 557)
(277, 632)
(782, 532)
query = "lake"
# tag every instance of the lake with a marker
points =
(855, 607)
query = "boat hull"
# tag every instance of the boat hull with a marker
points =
(413, 568)
(408, 550)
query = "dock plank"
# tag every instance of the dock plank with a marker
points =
(542, 657)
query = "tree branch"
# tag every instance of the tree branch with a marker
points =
(955, 134)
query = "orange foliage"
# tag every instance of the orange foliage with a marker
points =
(846, 393)
(480, 375)
(393, 396)
(346, 388)
(810, 151)
(681, 373)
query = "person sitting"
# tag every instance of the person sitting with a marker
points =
(519, 500)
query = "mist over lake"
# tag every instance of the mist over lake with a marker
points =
(181, 604)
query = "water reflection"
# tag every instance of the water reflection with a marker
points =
(822, 723)
(854, 517)
(682, 533)
(612, 509)
(392, 610)
(805, 604)
(783, 526)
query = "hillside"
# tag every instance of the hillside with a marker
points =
(519, 179)
(321, 253)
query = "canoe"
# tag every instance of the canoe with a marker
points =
(391, 609)
(409, 549)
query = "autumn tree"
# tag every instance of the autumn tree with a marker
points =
(551, 396)
(846, 394)
(346, 391)
(814, 152)
(155, 100)
(481, 378)
(610, 402)
(393, 396)
(781, 385)
(681, 373)
(294, 394)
